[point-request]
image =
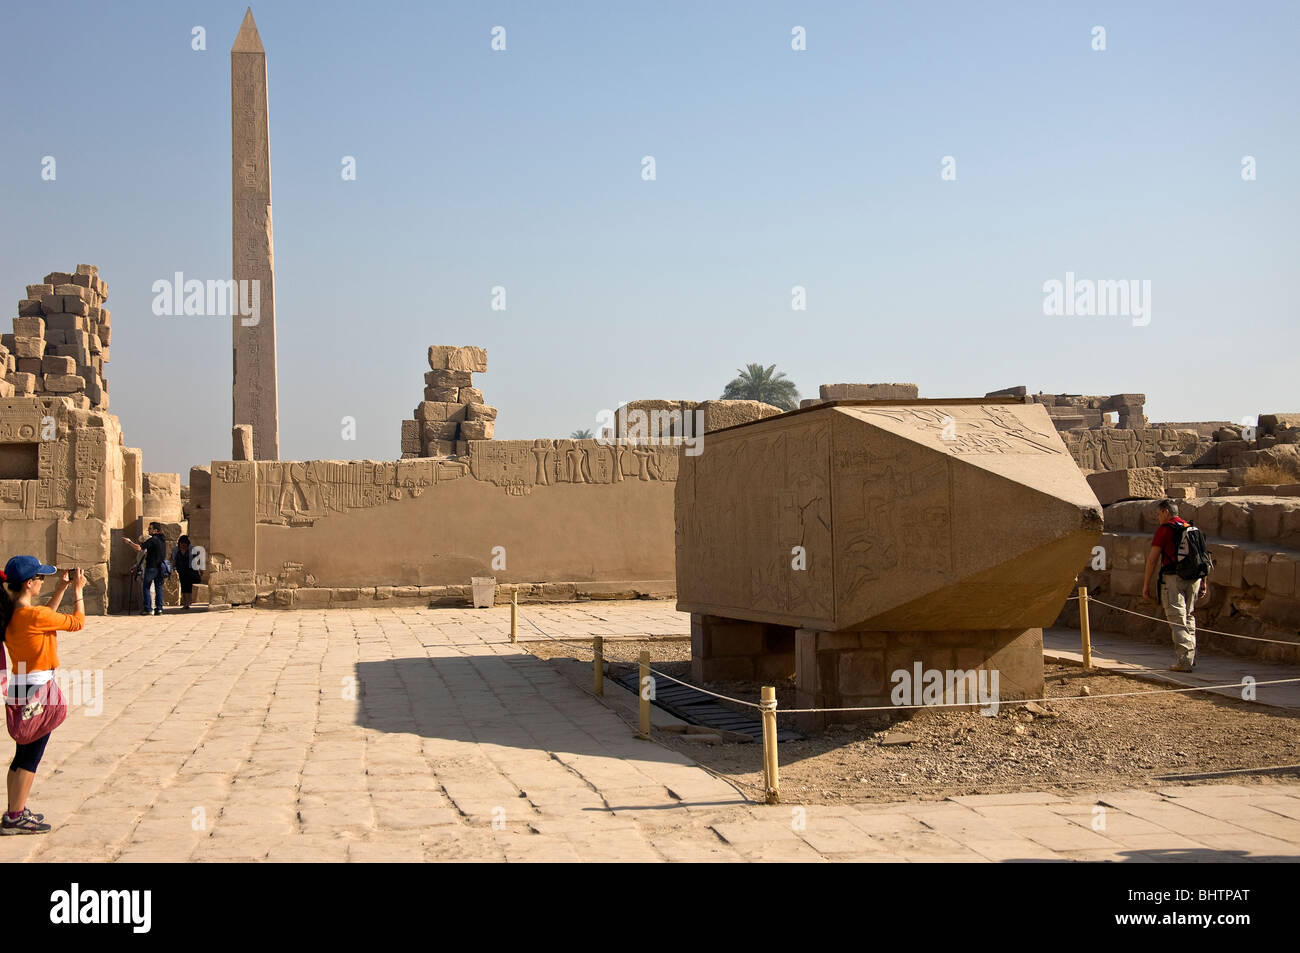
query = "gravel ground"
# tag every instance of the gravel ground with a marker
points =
(1095, 744)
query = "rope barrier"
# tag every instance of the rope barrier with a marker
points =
(771, 706)
(1199, 629)
(767, 707)
(1054, 698)
(705, 691)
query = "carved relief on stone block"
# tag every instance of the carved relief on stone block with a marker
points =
(240, 472)
(968, 430)
(18, 499)
(506, 463)
(90, 446)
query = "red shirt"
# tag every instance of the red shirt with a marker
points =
(1164, 538)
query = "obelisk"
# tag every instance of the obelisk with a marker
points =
(256, 399)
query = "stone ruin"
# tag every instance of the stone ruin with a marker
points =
(659, 419)
(862, 392)
(842, 542)
(453, 412)
(1083, 412)
(59, 344)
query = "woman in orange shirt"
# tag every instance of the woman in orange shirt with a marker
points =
(29, 634)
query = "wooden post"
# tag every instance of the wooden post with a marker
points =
(771, 778)
(1084, 628)
(514, 615)
(598, 665)
(643, 692)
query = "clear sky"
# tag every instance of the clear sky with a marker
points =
(775, 168)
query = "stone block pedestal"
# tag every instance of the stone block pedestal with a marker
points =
(730, 650)
(847, 669)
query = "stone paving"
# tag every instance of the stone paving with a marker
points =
(423, 735)
(1151, 661)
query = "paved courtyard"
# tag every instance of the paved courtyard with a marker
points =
(417, 734)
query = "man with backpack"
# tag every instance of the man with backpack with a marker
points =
(1178, 552)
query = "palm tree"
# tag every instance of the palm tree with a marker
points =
(582, 435)
(759, 383)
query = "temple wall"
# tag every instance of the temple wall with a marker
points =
(63, 497)
(564, 511)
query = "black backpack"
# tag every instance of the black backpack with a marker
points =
(1191, 560)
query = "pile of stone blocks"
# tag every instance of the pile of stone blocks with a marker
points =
(1139, 483)
(1275, 439)
(1083, 411)
(452, 412)
(59, 344)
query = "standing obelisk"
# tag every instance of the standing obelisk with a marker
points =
(256, 399)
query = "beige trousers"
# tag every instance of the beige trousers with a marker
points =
(1179, 598)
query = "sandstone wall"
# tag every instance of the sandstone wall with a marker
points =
(1254, 589)
(1114, 449)
(63, 497)
(564, 511)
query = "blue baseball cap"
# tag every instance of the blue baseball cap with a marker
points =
(23, 568)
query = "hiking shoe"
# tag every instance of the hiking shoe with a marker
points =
(24, 823)
(30, 813)
(157, 611)
(1182, 665)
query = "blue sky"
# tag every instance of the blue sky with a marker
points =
(775, 168)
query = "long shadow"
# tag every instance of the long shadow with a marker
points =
(1180, 855)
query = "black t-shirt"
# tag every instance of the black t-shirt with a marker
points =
(155, 551)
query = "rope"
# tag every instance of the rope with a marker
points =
(1199, 629)
(670, 678)
(771, 706)
(1056, 698)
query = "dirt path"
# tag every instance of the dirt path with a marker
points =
(1093, 743)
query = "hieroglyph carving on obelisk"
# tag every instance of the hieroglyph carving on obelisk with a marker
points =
(256, 400)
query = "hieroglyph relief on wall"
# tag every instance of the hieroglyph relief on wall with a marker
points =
(520, 465)
(765, 495)
(966, 430)
(297, 493)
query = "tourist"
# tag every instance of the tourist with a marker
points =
(183, 561)
(154, 547)
(1176, 594)
(35, 705)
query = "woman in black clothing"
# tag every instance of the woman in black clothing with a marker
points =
(183, 560)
